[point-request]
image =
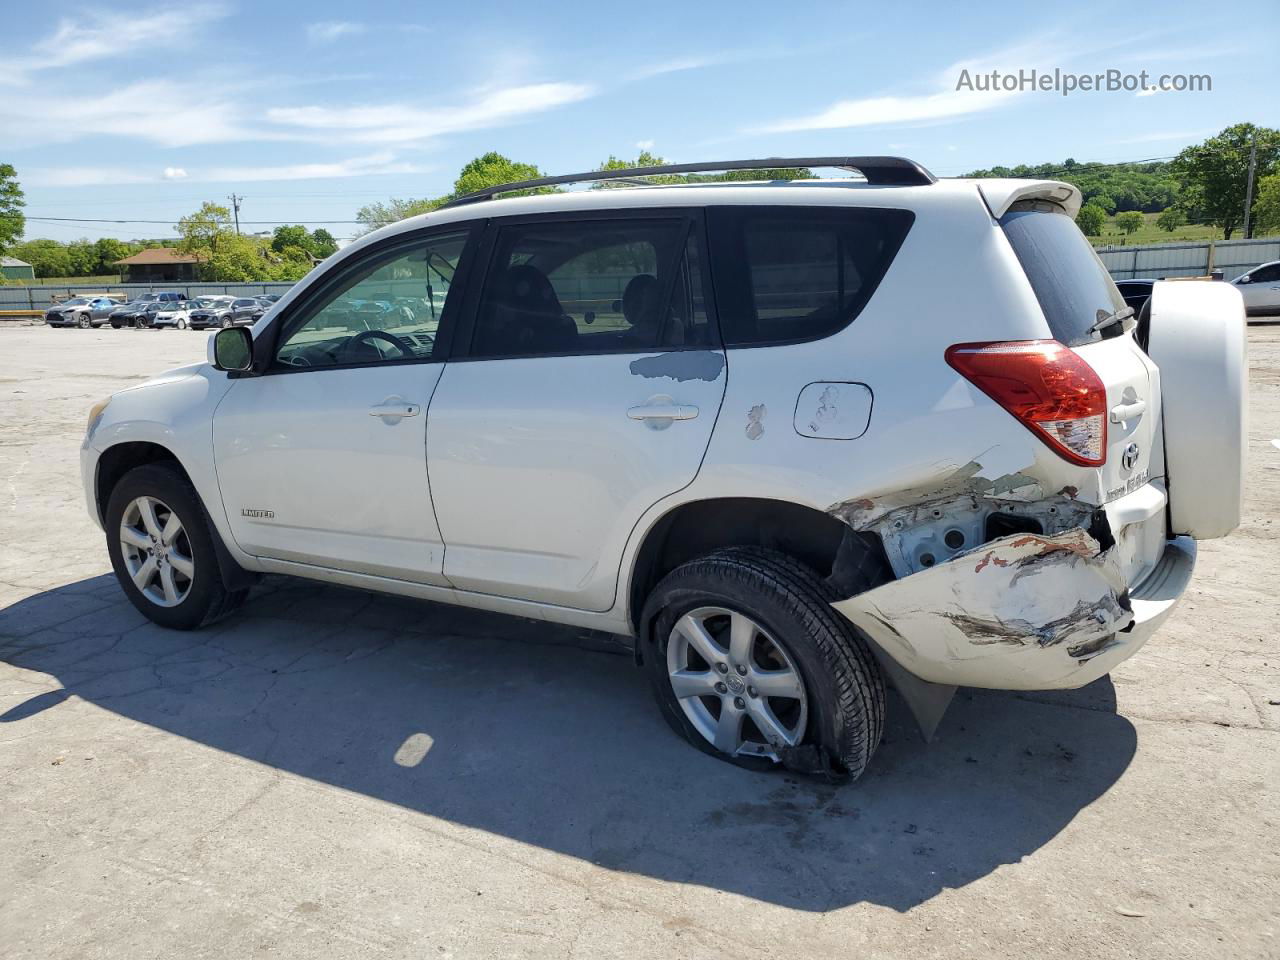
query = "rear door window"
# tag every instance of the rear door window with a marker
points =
(620, 285)
(1074, 288)
(787, 274)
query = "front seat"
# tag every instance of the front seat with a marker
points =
(527, 316)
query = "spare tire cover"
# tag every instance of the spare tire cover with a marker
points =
(1198, 340)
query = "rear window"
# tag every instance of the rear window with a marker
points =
(787, 274)
(1074, 288)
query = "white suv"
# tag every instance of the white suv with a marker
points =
(798, 439)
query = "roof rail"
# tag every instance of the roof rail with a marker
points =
(881, 171)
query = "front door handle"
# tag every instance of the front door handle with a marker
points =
(395, 410)
(663, 411)
(1128, 411)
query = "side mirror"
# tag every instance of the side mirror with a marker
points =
(1245, 279)
(232, 349)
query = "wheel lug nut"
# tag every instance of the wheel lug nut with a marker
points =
(721, 688)
(742, 669)
(739, 703)
(751, 692)
(722, 667)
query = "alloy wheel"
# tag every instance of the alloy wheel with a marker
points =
(737, 685)
(157, 552)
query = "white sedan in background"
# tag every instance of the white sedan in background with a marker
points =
(1260, 288)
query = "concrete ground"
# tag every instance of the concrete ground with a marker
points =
(338, 774)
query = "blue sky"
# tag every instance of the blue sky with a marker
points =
(310, 111)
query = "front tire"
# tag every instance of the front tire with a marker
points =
(750, 663)
(84, 322)
(162, 549)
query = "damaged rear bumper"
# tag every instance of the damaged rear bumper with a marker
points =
(1022, 612)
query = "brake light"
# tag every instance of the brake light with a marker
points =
(1048, 387)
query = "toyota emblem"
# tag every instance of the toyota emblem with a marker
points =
(1129, 458)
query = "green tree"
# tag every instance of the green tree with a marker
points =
(1103, 200)
(109, 250)
(1215, 173)
(12, 220)
(290, 236)
(237, 258)
(84, 258)
(488, 170)
(1266, 209)
(1130, 221)
(1171, 219)
(322, 243)
(49, 258)
(205, 231)
(1090, 219)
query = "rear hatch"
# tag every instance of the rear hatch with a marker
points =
(1076, 292)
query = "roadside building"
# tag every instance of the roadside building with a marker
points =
(11, 268)
(161, 265)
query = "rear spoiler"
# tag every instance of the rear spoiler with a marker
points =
(1001, 194)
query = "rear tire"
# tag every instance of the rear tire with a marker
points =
(84, 323)
(843, 696)
(185, 602)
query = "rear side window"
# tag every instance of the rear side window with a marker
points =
(786, 274)
(1074, 288)
(595, 286)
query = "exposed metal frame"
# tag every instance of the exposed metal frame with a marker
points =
(879, 171)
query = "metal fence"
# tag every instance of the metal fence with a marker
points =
(37, 298)
(1158, 260)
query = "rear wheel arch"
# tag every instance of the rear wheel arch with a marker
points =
(700, 527)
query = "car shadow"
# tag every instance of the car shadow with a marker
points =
(545, 735)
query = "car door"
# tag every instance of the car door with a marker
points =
(322, 459)
(586, 387)
(242, 311)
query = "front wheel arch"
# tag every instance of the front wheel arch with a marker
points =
(118, 460)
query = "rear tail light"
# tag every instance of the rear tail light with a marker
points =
(1048, 387)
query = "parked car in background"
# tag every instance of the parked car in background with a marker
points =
(80, 312)
(161, 295)
(175, 314)
(269, 297)
(229, 312)
(651, 412)
(1260, 288)
(126, 315)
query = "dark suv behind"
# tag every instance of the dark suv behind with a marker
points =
(228, 313)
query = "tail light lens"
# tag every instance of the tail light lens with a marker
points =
(1048, 387)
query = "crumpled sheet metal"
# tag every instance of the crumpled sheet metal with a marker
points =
(1019, 612)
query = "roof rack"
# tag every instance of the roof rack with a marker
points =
(880, 171)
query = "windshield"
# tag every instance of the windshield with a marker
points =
(75, 302)
(1074, 288)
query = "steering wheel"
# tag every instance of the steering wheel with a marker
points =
(364, 336)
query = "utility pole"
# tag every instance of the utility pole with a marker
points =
(1248, 190)
(235, 203)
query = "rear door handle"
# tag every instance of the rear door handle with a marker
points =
(395, 411)
(1128, 411)
(663, 411)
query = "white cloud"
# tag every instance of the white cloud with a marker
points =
(83, 176)
(328, 31)
(943, 102)
(101, 34)
(644, 144)
(391, 123)
(367, 166)
(363, 166)
(174, 113)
